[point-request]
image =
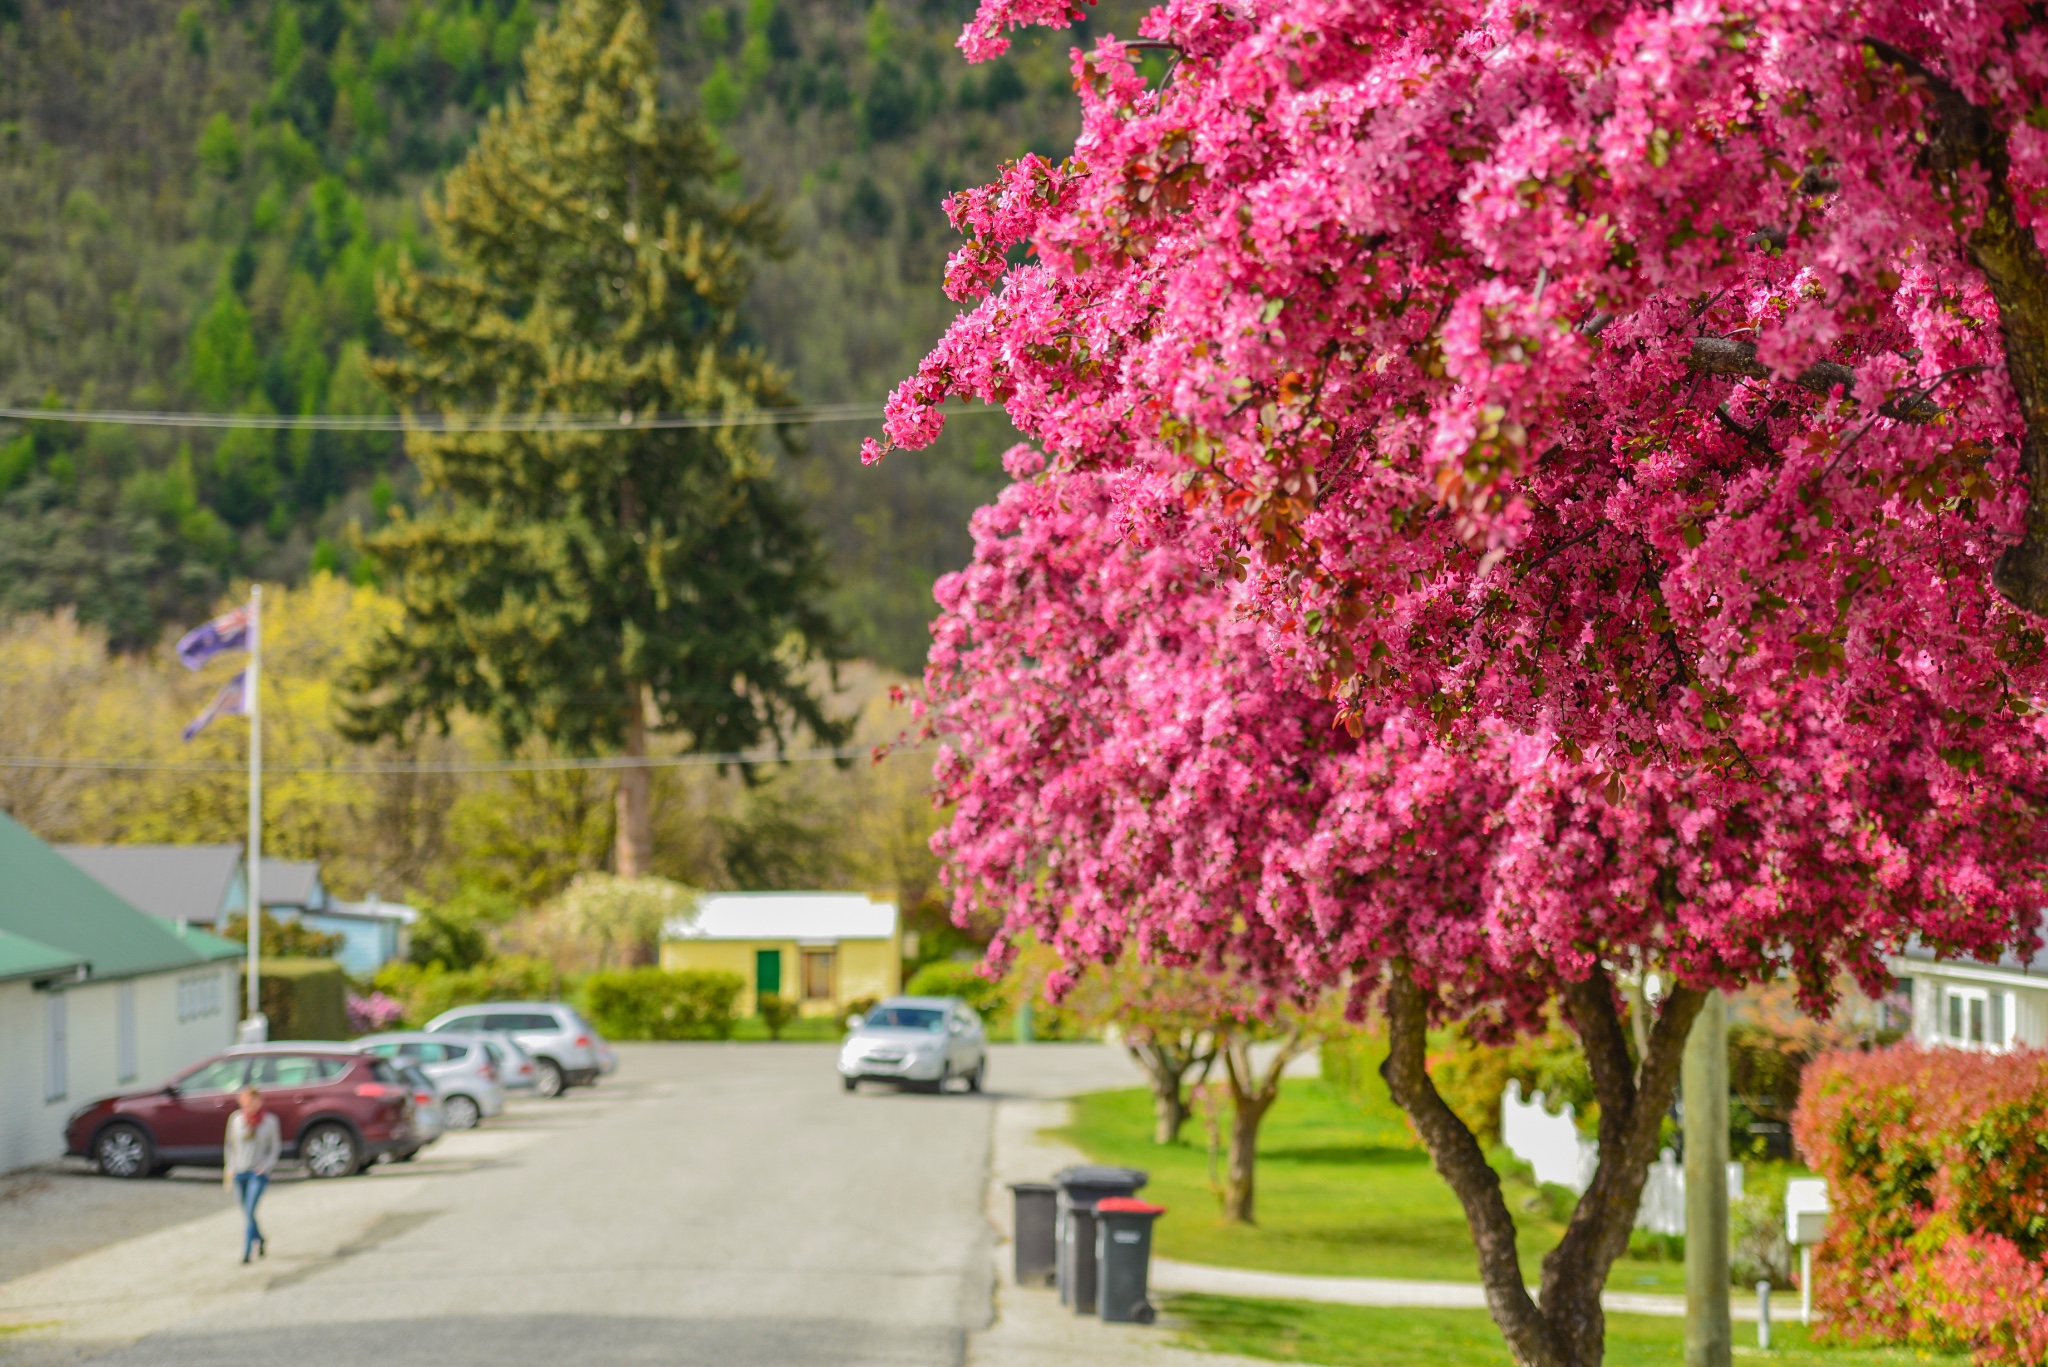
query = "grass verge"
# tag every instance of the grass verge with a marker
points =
(1343, 1191)
(1364, 1336)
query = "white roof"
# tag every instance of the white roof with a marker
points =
(786, 916)
(373, 910)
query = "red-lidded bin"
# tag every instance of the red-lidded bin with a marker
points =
(1123, 1259)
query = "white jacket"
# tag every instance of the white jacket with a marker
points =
(247, 1152)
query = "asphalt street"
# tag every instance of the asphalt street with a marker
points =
(708, 1204)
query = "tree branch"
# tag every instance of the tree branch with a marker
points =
(1732, 356)
(1962, 135)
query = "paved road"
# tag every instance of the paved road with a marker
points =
(710, 1204)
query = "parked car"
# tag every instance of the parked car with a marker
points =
(428, 1122)
(461, 1066)
(922, 1042)
(564, 1045)
(516, 1070)
(338, 1110)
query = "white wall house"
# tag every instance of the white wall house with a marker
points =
(95, 996)
(1963, 1004)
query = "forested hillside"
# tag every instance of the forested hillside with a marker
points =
(196, 201)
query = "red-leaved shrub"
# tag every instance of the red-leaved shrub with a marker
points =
(1937, 1169)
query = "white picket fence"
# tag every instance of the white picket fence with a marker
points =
(1552, 1145)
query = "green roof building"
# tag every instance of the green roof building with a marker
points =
(95, 995)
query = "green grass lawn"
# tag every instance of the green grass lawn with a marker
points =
(1361, 1336)
(1343, 1191)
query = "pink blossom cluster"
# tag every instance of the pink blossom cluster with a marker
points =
(368, 1015)
(1412, 295)
(1131, 761)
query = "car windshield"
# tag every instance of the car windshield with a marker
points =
(905, 1018)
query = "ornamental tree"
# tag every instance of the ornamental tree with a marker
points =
(1135, 767)
(1166, 1019)
(1609, 372)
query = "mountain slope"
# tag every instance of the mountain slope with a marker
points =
(196, 201)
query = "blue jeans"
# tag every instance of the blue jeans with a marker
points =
(249, 1190)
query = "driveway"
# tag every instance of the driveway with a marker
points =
(719, 1204)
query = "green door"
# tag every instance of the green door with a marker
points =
(767, 973)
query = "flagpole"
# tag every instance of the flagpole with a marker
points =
(257, 1029)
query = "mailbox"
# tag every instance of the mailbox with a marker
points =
(1806, 1220)
(1806, 1210)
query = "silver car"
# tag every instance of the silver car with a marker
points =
(515, 1066)
(565, 1047)
(461, 1066)
(921, 1042)
(428, 1121)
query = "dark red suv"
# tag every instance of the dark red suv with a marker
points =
(338, 1110)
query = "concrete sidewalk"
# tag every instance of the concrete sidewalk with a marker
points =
(1169, 1276)
(1031, 1328)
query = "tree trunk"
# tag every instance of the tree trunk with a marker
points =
(1251, 1096)
(1167, 1065)
(635, 854)
(1241, 1162)
(1569, 1329)
(1963, 138)
(1169, 1114)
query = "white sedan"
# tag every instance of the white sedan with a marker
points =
(920, 1042)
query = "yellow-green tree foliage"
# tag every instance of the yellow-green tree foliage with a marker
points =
(589, 585)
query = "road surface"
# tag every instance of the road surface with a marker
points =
(708, 1205)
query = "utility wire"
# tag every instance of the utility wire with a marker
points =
(626, 420)
(510, 766)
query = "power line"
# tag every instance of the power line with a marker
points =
(510, 766)
(626, 420)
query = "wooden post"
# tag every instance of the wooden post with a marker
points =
(1709, 1335)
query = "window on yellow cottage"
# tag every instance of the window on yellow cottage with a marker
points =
(817, 975)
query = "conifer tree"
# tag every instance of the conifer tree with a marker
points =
(589, 587)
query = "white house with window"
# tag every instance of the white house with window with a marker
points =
(1964, 1004)
(95, 995)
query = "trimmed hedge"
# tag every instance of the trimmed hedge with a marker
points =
(946, 978)
(1937, 1170)
(304, 998)
(654, 1003)
(428, 990)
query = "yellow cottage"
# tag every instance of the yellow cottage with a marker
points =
(821, 949)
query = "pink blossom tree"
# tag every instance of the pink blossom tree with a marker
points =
(1136, 766)
(1612, 372)
(1623, 422)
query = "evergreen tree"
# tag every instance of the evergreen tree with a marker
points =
(591, 586)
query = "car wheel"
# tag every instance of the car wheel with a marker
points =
(849, 1083)
(549, 1080)
(330, 1151)
(461, 1112)
(124, 1151)
(978, 1076)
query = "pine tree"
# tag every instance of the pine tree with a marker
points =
(589, 587)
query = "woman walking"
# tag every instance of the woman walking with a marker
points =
(252, 1148)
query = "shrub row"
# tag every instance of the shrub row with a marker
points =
(1937, 1169)
(654, 1003)
(302, 998)
(426, 990)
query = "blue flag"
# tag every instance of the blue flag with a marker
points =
(229, 631)
(232, 700)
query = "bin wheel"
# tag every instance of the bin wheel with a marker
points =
(1144, 1313)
